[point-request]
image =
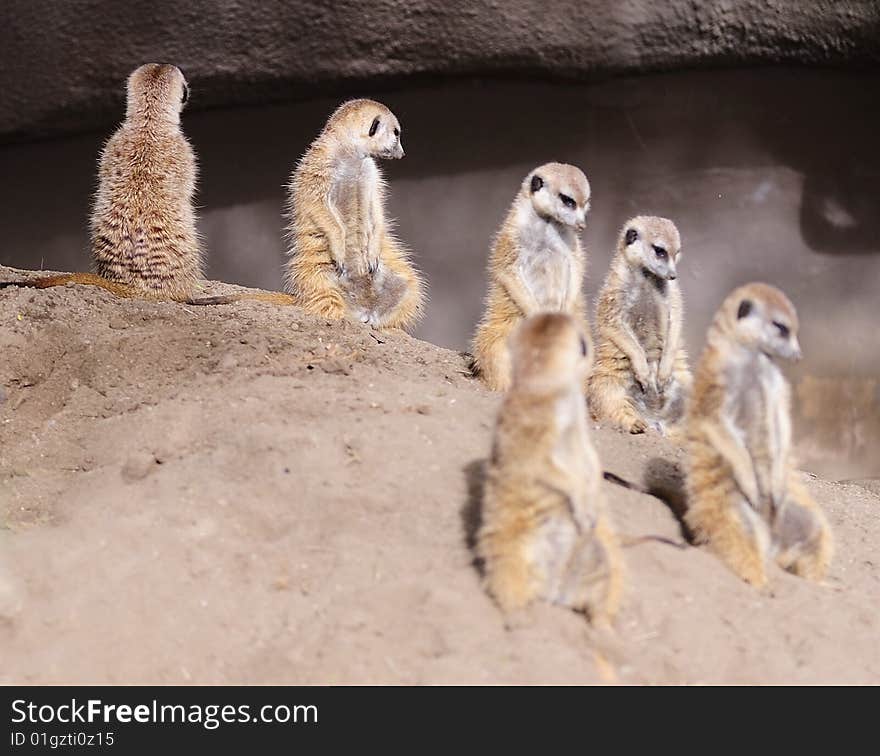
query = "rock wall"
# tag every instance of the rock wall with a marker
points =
(64, 61)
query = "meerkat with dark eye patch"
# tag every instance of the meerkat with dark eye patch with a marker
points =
(744, 496)
(641, 375)
(536, 264)
(343, 259)
(143, 225)
(545, 533)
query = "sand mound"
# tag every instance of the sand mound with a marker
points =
(246, 494)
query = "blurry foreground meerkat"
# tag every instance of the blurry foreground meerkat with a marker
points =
(641, 376)
(344, 260)
(744, 496)
(536, 264)
(143, 225)
(545, 533)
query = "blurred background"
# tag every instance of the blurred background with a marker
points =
(753, 125)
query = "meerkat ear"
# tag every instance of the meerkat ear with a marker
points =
(631, 236)
(745, 307)
(537, 183)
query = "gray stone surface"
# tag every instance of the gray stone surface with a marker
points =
(63, 62)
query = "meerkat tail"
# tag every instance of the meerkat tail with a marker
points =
(50, 281)
(272, 297)
(83, 279)
(627, 541)
(616, 479)
(39, 283)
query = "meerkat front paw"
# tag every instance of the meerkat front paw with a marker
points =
(751, 491)
(641, 380)
(637, 425)
(664, 376)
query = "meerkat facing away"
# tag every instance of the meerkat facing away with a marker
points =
(641, 374)
(143, 226)
(344, 260)
(545, 532)
(536, 264)
(744, 497)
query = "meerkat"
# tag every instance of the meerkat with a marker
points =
(545, 533)
(744, 497)
(536, 264)
(641, 377)
(344, 260)
(143, 226)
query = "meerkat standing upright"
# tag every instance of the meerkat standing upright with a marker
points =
(143, 226)
(744, 497)
(545, 533)
(641, 375)
(344, 260)
(536, 264)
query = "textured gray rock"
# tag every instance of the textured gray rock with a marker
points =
(64, 62)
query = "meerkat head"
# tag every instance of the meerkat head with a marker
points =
(761, 318)
(369, 127)
(156, 91)
(652, 244)
(550, 352)
(560, 193)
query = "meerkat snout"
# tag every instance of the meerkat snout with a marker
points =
(658, 256)
(565, 201)
(769, 325)
(383, 137)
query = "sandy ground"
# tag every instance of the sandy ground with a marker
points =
(245, 494)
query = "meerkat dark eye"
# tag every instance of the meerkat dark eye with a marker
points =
(661, 253)
(537, 183)
(631, 236)
(568, 201)
(783, 329)
(396, 131)
(583, 347)
(185, 96)
(745, 307)
(374, 126)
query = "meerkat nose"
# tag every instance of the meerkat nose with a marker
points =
(673, 276)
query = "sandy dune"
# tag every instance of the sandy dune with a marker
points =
(245, 494)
